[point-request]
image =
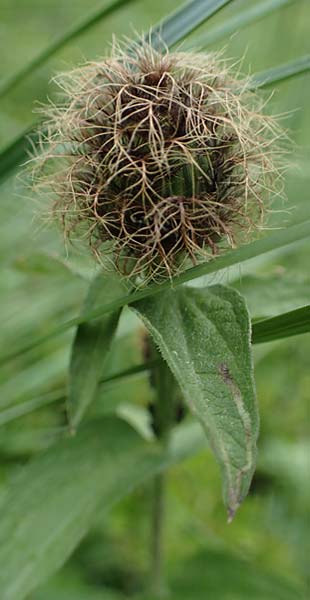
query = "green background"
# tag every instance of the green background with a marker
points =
(39, 287)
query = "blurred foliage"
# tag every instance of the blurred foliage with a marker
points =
(263, 553)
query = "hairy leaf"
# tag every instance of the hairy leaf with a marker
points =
(204, 335)
(52, 502)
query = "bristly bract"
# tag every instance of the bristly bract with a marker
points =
(158, 157)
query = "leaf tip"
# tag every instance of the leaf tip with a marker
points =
(230, 514)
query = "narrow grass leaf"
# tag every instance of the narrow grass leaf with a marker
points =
(205, 337)
(24, 408)
(277, 240)
(77, 29)
(16, 153)
(281, 73)
(184, 21)
(291, 323)
(91, 345)
(236, 22)
(53, 501)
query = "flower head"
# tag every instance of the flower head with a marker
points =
(158, 157)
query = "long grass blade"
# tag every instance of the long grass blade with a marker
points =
(277, 240)
(291, 323)
(29, 406)
(83, 25)
(239, 21)
(295, 322)
(172, 29)
(281, 73)
(184, 21)
(16, 153)
(24, 408)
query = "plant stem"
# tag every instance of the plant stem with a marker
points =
(157, 549)
(163, 418)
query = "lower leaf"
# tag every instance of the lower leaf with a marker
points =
(54, 500)
(91, 345)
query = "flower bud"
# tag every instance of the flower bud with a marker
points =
(158, 158)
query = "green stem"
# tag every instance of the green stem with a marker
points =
(163, 418)
(157, 537)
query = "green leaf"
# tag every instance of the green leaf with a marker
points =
(77, 29)
(53, 501)
(294, 322)
(204, 335)
(236, 22)
(184, 21)
(277, 240)
(91, 345)
(281, 73)
(16, 153)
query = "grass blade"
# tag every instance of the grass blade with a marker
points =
(277, 240)
(185, 20)
(182, 22)
(17, 152)
(281, 73)
(237, 22)
(83, 25)
(29, 406)
(24, 408)
(291, 323)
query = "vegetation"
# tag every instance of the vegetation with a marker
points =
(118, 391)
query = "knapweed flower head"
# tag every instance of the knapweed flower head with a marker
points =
(158, 157)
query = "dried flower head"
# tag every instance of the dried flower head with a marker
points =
(158, 157)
